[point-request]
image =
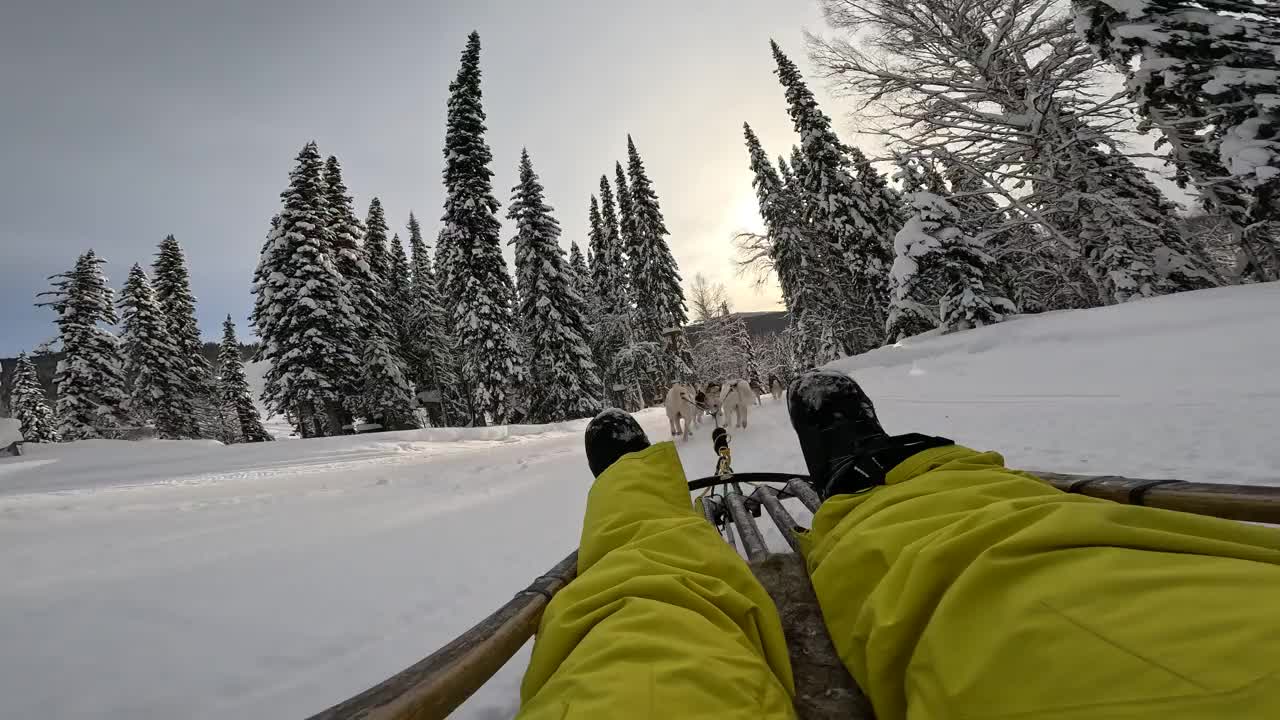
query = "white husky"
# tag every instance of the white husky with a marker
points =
(735, 399)
(679, 405)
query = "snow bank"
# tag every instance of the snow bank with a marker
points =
(169, 579)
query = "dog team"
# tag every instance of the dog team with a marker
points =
(727, 402)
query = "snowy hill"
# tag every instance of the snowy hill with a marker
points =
(185, 579)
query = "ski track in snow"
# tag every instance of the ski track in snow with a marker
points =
(186, 579)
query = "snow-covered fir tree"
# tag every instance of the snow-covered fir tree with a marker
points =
(798, 261)
(616, 258)
(233, 389)
(172, 285)
(581, 279)
(741, 340)
(386, 396)
(155, 371)
(381, 313)
(1126, 230)
(90, 378)
(345, 233)
(1206, 74)
(30, 406)
(628, 250)
(400, 281)
(659, 299)
(885, 205)
(620, 359)
(941, 276)
(301, 310)
(478, 284)
(563, 380)
(838, 211)
(432, 364)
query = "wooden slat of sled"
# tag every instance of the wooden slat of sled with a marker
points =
(1251, 503)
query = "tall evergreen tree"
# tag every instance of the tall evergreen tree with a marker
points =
(941, 277)
(30, 406)
(172, 287)
(620, 363)
(837, 210)
(885, 205)
(400, 283)
(623, 296)
(432, 364)
(378, 258)
(345, 233)
(746, 348)
(626, 221)
(1206, 74)
(301, 309)
(655, 273)
(156, 372)
(233, 389)
(659, 298)
(803, 274)
(1125, 227)
(581, 277)
(477, 281)
(90, 378)
(563, 380)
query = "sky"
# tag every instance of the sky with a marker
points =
(126, 121)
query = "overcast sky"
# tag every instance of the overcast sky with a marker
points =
(127, 120)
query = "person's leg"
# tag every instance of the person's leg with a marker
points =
(953, 587)
(664, 619)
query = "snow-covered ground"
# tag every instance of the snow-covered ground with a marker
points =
(185, 579)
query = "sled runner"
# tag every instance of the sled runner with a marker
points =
(438, 684)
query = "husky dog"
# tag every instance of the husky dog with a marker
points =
(735, 399)
(680, 407)
(776, 387)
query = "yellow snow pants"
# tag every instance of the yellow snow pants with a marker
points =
(959, 589)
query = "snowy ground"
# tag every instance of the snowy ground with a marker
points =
(185, 579)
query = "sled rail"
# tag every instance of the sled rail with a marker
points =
(1250, 503)
(436, 685)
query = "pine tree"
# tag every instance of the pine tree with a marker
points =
(301, 311)
(386, 396)
(615, 258)
(941, 276)
(803, 274)
(581, 278)
(656, 280)
(233, 389)
(29, 404)
(1125, 227)
(837, 210)
(626, 223)
(1206, 74)
(173, 291)
(477, 282)
(618, 360)
(749, 364)
(345, 232)
(432, 364)
(90, 378)
(885, 205)
(154, 368)
(563, 380)
(378, 258)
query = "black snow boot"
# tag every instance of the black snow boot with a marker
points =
(844, 446)
(610, 435)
